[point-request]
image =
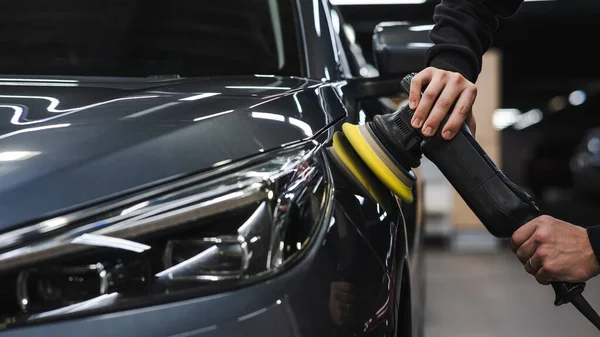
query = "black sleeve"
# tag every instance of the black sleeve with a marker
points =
(594, 236)
(463, 33)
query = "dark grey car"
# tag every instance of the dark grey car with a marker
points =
(166, 170)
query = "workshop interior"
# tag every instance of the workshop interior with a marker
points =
(249, 168)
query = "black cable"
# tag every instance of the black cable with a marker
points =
(586, 309)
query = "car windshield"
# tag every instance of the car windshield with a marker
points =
(141, 38)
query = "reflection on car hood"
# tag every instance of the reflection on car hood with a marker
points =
(69, 143)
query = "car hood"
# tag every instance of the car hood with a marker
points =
(68, 143)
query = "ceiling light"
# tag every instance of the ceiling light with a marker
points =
(200, 96)
(17, 155)
(37, 80)
(302, 125)
(250, 87)
(266, 115)
(577, 97)
(6, 135)
(503, 118)
(213, 115)
(110, 242)
(557, 103)
(420, 45)
(421, 28)
(528, 119)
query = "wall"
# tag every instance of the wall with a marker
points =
(488, 100)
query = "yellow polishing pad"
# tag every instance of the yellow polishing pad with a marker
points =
(343, 153)
(391, 176)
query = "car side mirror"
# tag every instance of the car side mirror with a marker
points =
(400, 47)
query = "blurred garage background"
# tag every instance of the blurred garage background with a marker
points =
(537, 114)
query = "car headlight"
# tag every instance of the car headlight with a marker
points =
(222, 230)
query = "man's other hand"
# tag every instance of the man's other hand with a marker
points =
(555, 251)
(444, 89)
(342, 303)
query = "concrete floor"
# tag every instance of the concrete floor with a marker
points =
(490, 294)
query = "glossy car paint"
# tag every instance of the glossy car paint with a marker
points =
(127, 139)
(299, 302)
(363, 247)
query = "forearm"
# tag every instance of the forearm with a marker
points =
(463, 33)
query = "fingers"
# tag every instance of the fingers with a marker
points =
(434, 88)
(347, 312)
(341, 286)
(342, 303)
(521, 235)
(344, 297)
(460, 114)
(543, 276)
(444, 89)
(416, 88)
(543, 270)
(533, 264)
(441, 108)
(553, 250)
(527, 250)
(343, 292)
(534, 267)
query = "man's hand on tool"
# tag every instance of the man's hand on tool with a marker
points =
(555, 251)
(444, 88)
(342, 303)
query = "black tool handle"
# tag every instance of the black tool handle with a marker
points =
(501, 205)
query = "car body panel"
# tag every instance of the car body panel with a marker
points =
(324, 58)
(298, 302)
(129, 139)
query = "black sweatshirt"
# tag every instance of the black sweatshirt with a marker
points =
(462, 34)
